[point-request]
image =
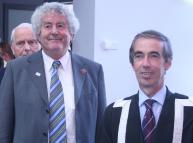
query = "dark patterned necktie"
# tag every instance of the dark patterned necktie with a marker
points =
(148, 124)
(57, 120)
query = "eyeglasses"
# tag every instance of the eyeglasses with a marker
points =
(31, 43)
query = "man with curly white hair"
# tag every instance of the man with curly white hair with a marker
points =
(53, 95)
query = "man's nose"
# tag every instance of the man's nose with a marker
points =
(27, 46)
(146, 61)
(54, 29)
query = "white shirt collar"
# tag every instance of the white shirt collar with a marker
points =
(159, 96)
(47, 60)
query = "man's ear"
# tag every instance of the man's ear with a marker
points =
(168, 64)
(12, 48)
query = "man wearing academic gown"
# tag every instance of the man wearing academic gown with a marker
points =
(172, 113)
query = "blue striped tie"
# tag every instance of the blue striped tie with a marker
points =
(148, 123)
(57, 120)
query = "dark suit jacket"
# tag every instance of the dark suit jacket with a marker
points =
(2, 71)
(164, 130)
(24, 100)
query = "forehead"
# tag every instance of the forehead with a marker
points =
(148, 45)
(23, 33)
(54, 17)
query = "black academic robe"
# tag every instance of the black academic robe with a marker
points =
(164, 129)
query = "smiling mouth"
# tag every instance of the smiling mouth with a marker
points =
(146, 74)
(54, 39)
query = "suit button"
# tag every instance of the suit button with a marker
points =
(47, 111)
(45, 134)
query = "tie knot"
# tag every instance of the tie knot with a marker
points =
(56, 64)
(149, 103)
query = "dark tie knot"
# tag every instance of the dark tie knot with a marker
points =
(149, 103)
(56, 64)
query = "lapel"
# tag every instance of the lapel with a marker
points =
(134, 131)
(164, 129)
(79, 75)
(37, 73)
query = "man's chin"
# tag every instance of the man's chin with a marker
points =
(147, 84)
(56, 48)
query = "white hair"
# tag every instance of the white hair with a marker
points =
(56, 7)
(22, 25)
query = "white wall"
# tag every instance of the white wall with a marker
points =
(119, 21)
(83, 43)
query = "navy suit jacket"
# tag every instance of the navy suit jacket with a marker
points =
(24, 100)
(2, 71)
(164, 130)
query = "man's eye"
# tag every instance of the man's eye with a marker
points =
(32, 42)
(138, 56)
(20, 43)
(155, 55)
(61, 25)
(47, 26)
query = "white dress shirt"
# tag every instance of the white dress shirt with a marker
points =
(66, 77)
(159, 97)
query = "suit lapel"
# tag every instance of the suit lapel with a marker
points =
(37, 73)
(164, 129)
(79, 74)
(134, 131)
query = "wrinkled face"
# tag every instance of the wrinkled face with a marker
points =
(24, 42)
(149, 64)
(54, 35)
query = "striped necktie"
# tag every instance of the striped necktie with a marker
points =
(57, 120)
(148, 123)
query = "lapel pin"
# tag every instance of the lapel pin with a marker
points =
(83, 71)
(38, 74)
